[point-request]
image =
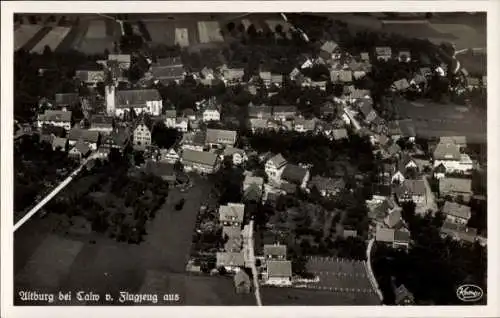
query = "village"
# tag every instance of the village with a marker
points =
(299, 193)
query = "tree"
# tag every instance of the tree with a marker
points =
(252, 31)
(278, 29)
(230, 26)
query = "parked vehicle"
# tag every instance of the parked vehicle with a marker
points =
(179, 205)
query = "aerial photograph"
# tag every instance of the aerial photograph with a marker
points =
(250, 159)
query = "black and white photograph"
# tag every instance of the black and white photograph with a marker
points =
(248, 158)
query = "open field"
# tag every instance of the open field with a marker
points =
(434, 120)
(182, 37)
(52, 39)
(23, 34)
(110, 266)
(161, 32)
(50, 262)
(96, 29)
(209, 31)
(274, 296)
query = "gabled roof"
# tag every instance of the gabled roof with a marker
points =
(401, 84)
(412, 187)
(393, 219)
(101, 120)
(459, 231)
(458, 140)
(457, 210)
(365, 107)
(81, 147)
(365, 56)
(278, 160)
(59, 142)
(241, 279)
(214, 135)
(90, 76)
(229, 259)
(167, 72)
(274, 250)
(402, 235)
(169, 61)
(327, 184)
(171, 113)
(120, 58)
(233, 73)
(294, 173)
(230, 151)
(446, 151)
(55, 115)
(253, 180)
(284, 109)
(403, 293)
(199, 157)
(383, 50)
(63, 99)
(232, 212)
(259, 111)
(136, 97)
(308, 124)
(83, 134)
(329, 46)
(257, 123)
(279, 268)
(384, 234)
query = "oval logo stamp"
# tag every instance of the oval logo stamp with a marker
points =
(469, 293)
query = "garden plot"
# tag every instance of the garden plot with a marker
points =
(23, 34)
(52, 39)
(209, 31)
(161, 32)
(182, 37)
(96, 29)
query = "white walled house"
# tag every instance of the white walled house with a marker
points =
(211, 115)
(448, 155)
(170, 118)
(57, 118)
(182, 124)
(457, 213)
(140, 100)
(142, 136)
(274, 167)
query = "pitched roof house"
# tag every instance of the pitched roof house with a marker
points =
(327, 186)
(275, 251)
(457, 213)
(295, 175)
(136, 98)
(202, 161)
(221, 136)
(231, 214)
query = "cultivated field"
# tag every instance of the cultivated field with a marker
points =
(209, 32)
(182, 37)
(435, 120)
(52, 39)
(96, 30)
(50, 262)
(23, 34)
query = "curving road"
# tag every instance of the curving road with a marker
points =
(368, 263)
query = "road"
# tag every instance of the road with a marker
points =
(369, 269)
(431, 198)
(251, 258)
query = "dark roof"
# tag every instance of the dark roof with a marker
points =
(402, 235)
(284, 109)
(83, 134)
(329, 46)
(459, 231)
(170, 61)
(393, 219)
(412, 187)
(327, 184)
(90, 76)
(64, 99)
(279, 268)
(275, 250)
(201, 157)
(55, 115)
(215, 135)
(278, 160)
(82, 148)
(167, 72)
(294, 173)
(259, 111)
(101, 120)
(136, 97)
(457, 210)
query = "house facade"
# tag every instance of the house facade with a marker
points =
(142, 136)
(56, 118)
(279, 273)
(232, 214)
(140, 100)
(200, 161)
(274, 167)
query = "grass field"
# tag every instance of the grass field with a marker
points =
(73, 263)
